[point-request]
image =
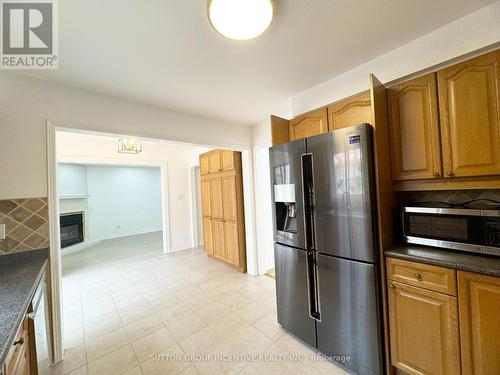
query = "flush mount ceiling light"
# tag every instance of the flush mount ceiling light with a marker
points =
(129, 146)
(240, 19)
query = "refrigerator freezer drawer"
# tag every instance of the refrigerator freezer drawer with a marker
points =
(292, 293)
(350, 324)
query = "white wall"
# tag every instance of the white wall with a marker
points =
(26, 104)
(177, 159)
(472, 32)
(123, 201)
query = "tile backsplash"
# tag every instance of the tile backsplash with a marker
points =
(479, 199)
(27, 224)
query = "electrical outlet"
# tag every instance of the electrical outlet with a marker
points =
(2, 231)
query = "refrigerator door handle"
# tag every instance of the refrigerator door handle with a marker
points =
(312, 287)
(308, 199)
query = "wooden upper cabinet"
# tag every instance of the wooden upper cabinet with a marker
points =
(228, 162)
(479, 298)
(215, 161)
(424, 331)
(309, 124)
(469, 112)
(206, 209)
(414, 129)
(216, 204)
(231, 242)
(230, 203)
(280, 132)
(207, 236)
(351, 111)
(204, 164)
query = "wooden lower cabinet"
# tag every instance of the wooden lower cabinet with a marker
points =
(207, 236)
(219, 248)
(423, 330)
(231, 242)
(18, 358)
(479, 299)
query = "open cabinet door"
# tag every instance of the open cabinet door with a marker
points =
(385, 194)
(279, 130)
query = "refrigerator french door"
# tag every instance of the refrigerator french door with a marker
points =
(325, 257)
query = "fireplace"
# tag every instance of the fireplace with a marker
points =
(72, 228)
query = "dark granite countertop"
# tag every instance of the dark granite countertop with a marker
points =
(20, 274)
(485, 264)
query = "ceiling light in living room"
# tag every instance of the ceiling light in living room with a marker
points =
(240, 19)
(129, 145)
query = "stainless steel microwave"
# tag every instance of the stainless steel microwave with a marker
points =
(471, 230)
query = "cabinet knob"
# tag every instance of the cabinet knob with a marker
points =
(450, 173)
(418, 276)
(392, 286)
(436, 174)
(18, 342)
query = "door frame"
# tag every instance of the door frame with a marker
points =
(196, 241)
(54, 236)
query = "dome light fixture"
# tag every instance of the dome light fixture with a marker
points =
(240, 19)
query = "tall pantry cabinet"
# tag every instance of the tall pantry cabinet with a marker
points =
(222, 207)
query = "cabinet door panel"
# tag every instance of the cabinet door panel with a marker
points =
(205, 198)
(216, 198)
(207, 236)
(479, 298)
(423, 331)
(469, 111)
(309, 124)
(231, 242)
(204, 164)
(227, 160)
(215, 162)
(351, 111)
(414, 129)
(230, 203)
(218, 239)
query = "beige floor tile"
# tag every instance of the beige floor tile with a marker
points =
(125, 294)
(105, 344)
(164, 302)
(170, 361)
(173, 313)
(116, 362)
(135, 371)
(153, 343)
(213, 312)
(187, 292)
(100, 325)
(269, 326)
(143, 326)
(186, 326)
(252, 312)
(74, 359)
(130, 302)
(131, 314)
(79, 371)
(201, 342)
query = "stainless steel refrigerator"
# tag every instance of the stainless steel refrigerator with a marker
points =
(325, 245)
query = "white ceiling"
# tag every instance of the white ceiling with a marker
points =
(163, 52)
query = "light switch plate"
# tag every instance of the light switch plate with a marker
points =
(2, 231)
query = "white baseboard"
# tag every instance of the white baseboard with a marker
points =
(79, 247)
(128, 234)
(181, 247)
